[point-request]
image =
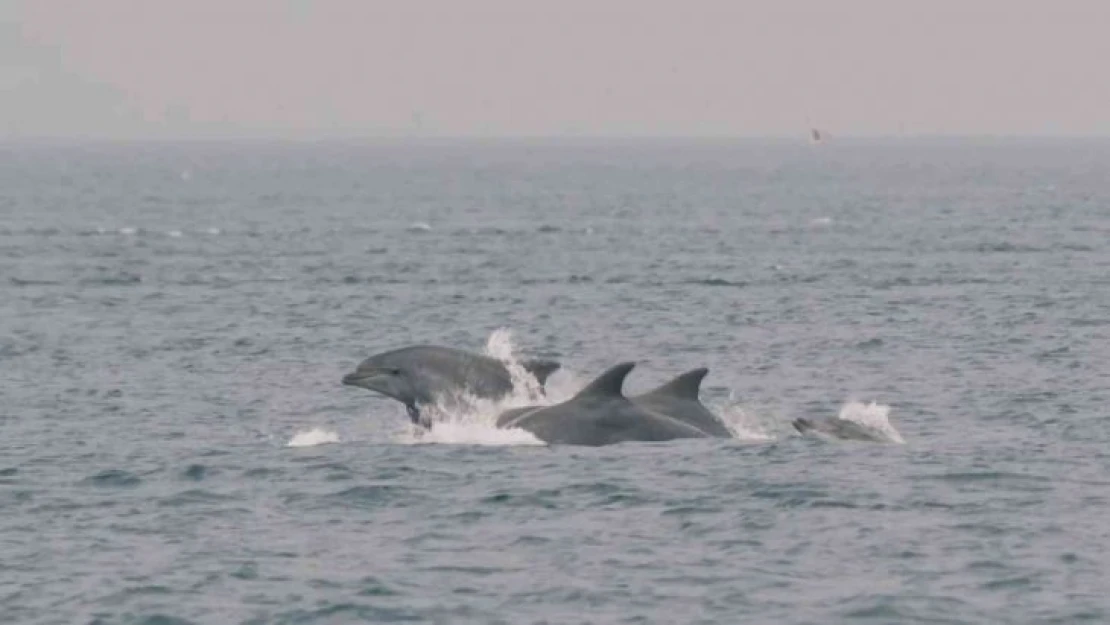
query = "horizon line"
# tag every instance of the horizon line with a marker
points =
(354, 137)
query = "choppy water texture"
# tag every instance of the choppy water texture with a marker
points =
(177, 447)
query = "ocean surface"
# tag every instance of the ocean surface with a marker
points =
(176, 446)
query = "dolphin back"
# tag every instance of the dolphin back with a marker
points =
(678, 400)
(599, 414)
(608, 384)
(686, 386)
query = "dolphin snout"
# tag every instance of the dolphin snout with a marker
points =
(358, 378)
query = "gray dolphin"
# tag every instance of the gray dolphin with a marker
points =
(839, 428)
(422, 375)
(677, 399)
(599, 415)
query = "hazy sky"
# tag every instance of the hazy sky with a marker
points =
(132, 68)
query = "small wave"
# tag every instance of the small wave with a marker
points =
(31, 282)
(489, 231)
(419, 226)
(192, 497)
(1007, 247)
(195, 472)
(991, 476)
(369, 495)
(874, 416)
(904, 281)
(717, 282)
(38, 232)
(1087, 323)
(352, 279)
(821, 221)
(1075, 247)
(117, 280)
(161, 619)
(313, 437)
(114, 478)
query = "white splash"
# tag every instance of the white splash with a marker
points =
(562, 385)
(128, 231)
(313, 437)
(419, 226)
(175, 234)
(744, 425)
(873, 416)
(821, 221)
(526, 389)
(467, 432)
(213, 231)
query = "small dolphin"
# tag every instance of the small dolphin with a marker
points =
(598, 415)
(422, 375)
(677, 399)
(843, 429)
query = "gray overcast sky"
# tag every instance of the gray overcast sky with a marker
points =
(134, 68)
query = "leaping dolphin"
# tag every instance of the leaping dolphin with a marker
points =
(423, 375)
(599, 415)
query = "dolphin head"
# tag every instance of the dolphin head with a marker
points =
(385, 374)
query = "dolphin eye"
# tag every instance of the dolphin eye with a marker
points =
(395, 372)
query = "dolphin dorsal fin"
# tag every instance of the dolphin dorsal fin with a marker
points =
(685, 386)
(608, 384)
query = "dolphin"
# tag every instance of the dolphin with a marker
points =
(843, 429)
(677, 399)
(422, 375)
(599, 415)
